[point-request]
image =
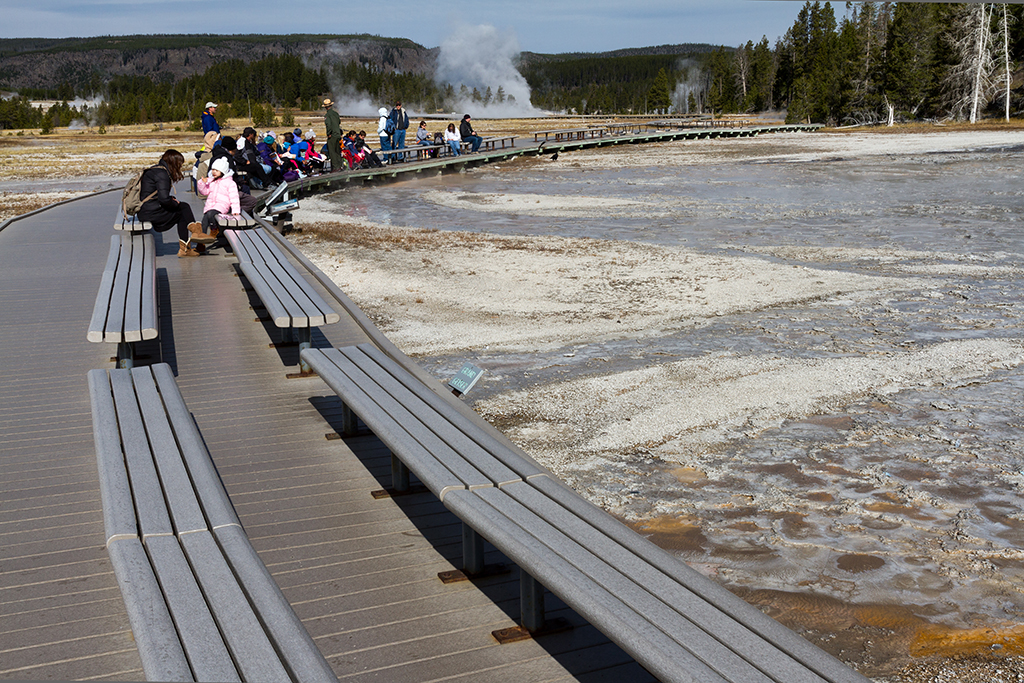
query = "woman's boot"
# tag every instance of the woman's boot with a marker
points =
(198, 235)
(184, 250)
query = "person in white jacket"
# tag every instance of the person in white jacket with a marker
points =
(385, 139)
(452, 137)
(221, 195)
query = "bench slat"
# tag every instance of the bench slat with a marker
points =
(409, 410)
(186, 514)
(289, 298)
(314, 310)
(672, 600)
(163, 658)
(205, 478)
(240, 244)
(150, 318)
(98, 322)
(132, 323)
(153, 516)
(114, 327)
(252, 650)
(278, 310)
(202, 641)
(661, 655)
(300, 654)
(524, 468)
(119, 519)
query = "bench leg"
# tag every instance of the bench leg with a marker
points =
(399, 475)
(304, 336)
(125, 355)
(531, 600)
(348, 421)
(472, 551)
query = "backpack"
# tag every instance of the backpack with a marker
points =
(390, 126)
(131, 198)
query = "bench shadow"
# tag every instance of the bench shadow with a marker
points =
(163, 346)
(584, 652)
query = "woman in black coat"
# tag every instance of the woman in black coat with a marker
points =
(163, 210)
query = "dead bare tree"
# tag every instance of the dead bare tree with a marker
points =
(1002, 39)
(968, 85)
(741, 65)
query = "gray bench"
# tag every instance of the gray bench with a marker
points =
(201, 604)
(240, 221)
(677, 623)
(125, 311)
(492, 142)
(568, 134)
(131, 224)
(293, 304)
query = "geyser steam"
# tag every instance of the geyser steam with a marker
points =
(482, 57)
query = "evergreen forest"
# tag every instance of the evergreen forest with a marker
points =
(875, 62)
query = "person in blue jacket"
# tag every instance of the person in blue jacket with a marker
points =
(401, 119)
(209, 120)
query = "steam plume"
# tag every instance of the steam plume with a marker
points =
(481, 57)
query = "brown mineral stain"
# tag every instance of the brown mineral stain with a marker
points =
(934, 639)
(855, 563)
(795, 525)
(894, 509)
(820, 496)
(911, 474)
(790, 472)
(673, 533)
(843, 422)
(878, 405)
(688, 475)
(893, 629)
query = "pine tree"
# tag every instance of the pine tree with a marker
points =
(660, 95)
(908, 79)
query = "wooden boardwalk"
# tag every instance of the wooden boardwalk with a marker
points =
(671, 131)
(361, 573)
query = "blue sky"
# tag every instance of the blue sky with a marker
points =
(540, 26)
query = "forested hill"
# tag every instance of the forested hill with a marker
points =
(682, 49)
(86, 64)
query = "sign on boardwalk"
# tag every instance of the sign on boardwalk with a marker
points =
(465, 378)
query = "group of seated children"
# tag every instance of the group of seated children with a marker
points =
(259, 162)
(357, 153)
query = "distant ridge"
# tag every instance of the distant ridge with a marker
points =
(48, 62)
(678, 49)
(171, 41)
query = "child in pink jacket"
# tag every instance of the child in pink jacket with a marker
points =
(221, 195)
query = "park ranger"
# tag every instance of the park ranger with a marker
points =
(332, 120)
